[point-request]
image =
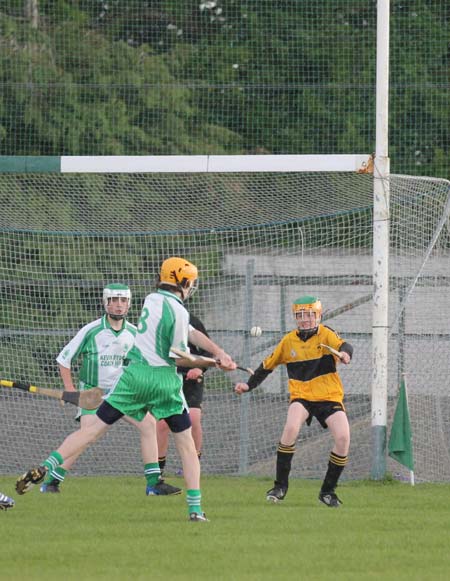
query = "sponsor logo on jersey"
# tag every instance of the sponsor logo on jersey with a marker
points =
(111, 360)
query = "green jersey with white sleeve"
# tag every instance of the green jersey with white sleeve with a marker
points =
(151, 381)
(164, 324)
(101, 350)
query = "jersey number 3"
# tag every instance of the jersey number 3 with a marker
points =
(142, 325)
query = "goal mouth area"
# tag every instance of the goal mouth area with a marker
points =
(259, 239)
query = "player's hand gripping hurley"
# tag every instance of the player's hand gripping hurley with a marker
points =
(201, 361)
(89, 399)
(340, 354)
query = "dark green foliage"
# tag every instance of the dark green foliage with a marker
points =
(229, 76)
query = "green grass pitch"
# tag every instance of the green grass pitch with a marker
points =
(106, 528)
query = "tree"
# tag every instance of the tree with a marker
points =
(32, 12)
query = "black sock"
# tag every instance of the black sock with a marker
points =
(336, 464)
(162, 463)
(285, 454)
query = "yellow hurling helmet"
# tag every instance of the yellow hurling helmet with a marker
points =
(180, 273)
(307, 304)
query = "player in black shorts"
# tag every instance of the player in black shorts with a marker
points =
(310, 353)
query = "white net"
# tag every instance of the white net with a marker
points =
(419, 314)
(260, 240)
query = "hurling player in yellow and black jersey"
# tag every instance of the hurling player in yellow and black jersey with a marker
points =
(315, 390)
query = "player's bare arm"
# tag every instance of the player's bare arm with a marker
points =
(188, 360)
(66, 376)
(199, 339)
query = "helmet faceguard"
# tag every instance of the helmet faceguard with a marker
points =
(116, 290)
(308, 314)
(181, 274)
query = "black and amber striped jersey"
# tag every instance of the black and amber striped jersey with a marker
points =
(311, 368)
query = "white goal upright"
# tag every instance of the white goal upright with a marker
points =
(263, 230)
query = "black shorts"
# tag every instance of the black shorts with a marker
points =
(179, 422)
(193, 392)
(108, 414)
(321, 410)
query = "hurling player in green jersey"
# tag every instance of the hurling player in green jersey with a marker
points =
(101, 348)
(151, 383)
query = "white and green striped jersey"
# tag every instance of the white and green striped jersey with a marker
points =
(101, 351)
(164, 323)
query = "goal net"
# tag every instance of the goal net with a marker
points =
(260, 240)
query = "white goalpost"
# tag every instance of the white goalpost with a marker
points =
(381, 225)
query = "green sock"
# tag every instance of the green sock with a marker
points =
(152, 473)
(53, 461)
(58, 473)
(194, 499)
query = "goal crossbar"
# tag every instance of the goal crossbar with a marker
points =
(186, 163)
